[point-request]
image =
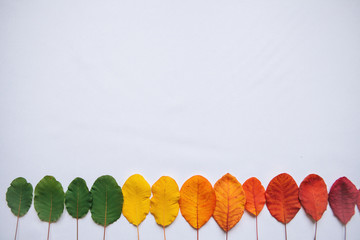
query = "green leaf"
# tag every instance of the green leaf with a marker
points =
(19, 196)
(78, 198)
(107, 201)
(49, 199)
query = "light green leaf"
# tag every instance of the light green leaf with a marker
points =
(19, 196)
(78, 198)
(49, 199)
(107, 201)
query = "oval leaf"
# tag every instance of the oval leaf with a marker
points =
(282, 198)
(255, 196)
(137, 194)
(107, 200)
(230, 202)
(313, 196)
(164, 204)
(19, 196)
(49, 199)
(342, 199)
(197, 201)
(78, 198)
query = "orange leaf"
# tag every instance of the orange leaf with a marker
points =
(197, 201)
(230, 202)
(313, 196)
(255, 195)
(282, 198)
(342, 199)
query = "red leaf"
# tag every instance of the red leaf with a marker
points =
(282, 198)
(313, 196)
(358, 201)
(342, 199)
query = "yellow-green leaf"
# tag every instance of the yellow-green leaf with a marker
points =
(164, 204)
(137, 194)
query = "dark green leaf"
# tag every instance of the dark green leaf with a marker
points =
(107, 200)
(78, 198)
(49, 199)
(19, 196)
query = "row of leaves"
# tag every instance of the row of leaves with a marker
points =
(197, 199)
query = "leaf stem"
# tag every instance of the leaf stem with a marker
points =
(226, 235)
(197, 232)
(315, 230)
(164, 233)
(17, 223)
(18, 216)
(105, 210)
(345, 232)
(285, 232)
(257, 234)
(51, 202)
(77, 228)
(137, 228)
(48, 235)
(77, 216)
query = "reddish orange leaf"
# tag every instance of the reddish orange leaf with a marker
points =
(282, 198)
(313, 196)
(342, 199)
(197, 201)
(255, 198)
(255, 195)
(230, 202)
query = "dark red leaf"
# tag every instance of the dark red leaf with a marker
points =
(342, 199)
(358, 201)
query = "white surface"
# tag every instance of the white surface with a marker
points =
(179, 88)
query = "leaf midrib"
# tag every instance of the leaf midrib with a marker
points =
(51, 206)
(18, 215)
(106, 201)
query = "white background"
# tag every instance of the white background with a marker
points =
(179, 88)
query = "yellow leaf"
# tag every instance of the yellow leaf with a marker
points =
(164, 204)
(136, 191)
(230, 202)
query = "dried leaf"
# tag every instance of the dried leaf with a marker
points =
(313, 196)
(255, 196)
(282, 198)
(230, 202)
(197, 201)
(342, 199)
(164, 204)
(137, 194)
